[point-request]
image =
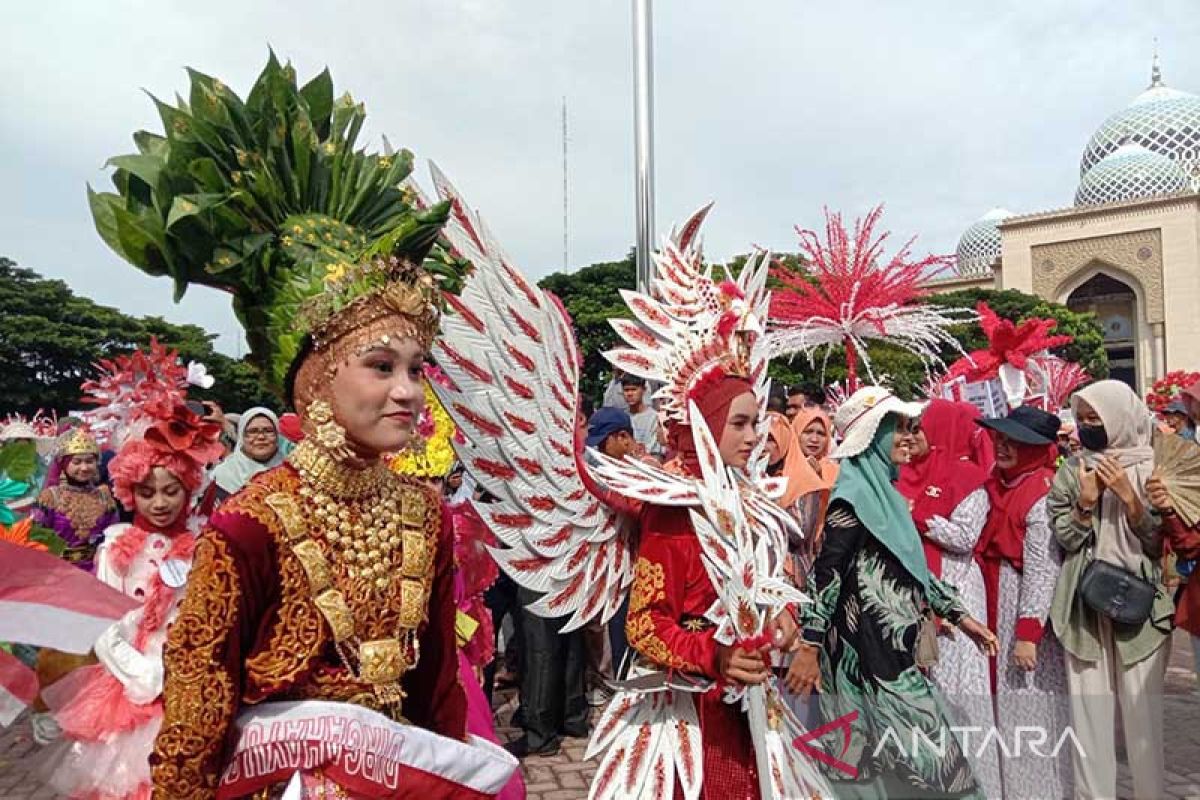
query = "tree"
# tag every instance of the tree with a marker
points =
(50, 337)
(592, 296)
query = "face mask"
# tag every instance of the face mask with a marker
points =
(1093, 437)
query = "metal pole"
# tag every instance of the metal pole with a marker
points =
(643, 125)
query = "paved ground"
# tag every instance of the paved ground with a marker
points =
(566, 776)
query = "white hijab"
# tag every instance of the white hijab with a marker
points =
(238, 468)
(1129, 426)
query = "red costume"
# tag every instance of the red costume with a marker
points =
(666, 623)
(254, 633)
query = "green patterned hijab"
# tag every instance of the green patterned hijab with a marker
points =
(865, 482)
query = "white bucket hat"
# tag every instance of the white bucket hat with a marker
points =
(858, 418)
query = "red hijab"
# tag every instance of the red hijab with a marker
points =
(945, 475)
(713, 401)
(1012, 492)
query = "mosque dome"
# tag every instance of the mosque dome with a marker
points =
(1128, 172)
(1163, 120)
(979, 246)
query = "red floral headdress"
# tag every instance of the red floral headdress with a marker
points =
(179, 442)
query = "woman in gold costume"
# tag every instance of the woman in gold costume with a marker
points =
(315, 645)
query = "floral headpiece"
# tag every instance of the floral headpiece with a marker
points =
(691, 331)
(299, 226)
(179, 441)
(133, 390)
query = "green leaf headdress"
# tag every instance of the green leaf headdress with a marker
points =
(268, 199)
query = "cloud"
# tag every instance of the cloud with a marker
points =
(940, 109)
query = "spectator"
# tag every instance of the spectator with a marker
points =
(258, 449)
(802, 398)
(611, 432)
(614, 397)
(1177, 418)
(642, 415)
(1099, 510)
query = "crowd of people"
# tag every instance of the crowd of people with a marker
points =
(770, 595)
(949, 561)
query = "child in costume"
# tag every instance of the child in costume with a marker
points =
(110, 712)
(74, 503)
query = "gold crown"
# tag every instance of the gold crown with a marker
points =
(77, 442)
(356, 296)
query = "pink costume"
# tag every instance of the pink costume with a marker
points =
(110, 712)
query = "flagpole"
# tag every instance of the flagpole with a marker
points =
(643, 125)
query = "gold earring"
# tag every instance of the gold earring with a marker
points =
(330, 436)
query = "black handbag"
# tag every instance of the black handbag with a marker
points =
(1116, 592)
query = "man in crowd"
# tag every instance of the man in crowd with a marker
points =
(643, 416)
(802, 397)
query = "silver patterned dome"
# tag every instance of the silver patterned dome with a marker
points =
(1128, 172)
(979, 246)
(1161, 119)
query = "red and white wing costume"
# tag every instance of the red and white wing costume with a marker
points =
(509, 349)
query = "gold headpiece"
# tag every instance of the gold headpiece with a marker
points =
(77, 442)
(356, 296)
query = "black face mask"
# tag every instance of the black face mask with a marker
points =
(1093, 437)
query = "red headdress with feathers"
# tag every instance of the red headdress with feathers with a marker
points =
(179, 442)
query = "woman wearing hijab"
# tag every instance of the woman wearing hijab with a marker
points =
(1099, 511)
(1021, 564)
(944, 486)
(814, 477)
(258, 450)
(872, 591)
(672, 592)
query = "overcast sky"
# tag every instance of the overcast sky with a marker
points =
(774, 108)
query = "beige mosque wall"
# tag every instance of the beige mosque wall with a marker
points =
(1152, 245)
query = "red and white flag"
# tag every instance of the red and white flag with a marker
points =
(47, 602)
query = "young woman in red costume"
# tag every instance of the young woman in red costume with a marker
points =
(1021, 564)
(671, 593)
(110, 712)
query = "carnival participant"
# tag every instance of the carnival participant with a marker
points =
(330, 577)
(257, 450)
(74, 503)
(1115, 641)
(110, 712)
(944, 487)
(873, 600)
(670, 595)
(1021, 563)
(698, 623)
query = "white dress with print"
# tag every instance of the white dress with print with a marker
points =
(962, 672)
(1037, 700)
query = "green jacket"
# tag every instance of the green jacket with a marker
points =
(1077, 625)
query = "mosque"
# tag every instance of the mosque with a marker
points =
(1129, 247)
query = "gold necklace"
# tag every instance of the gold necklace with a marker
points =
(359, 512)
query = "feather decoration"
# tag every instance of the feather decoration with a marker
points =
(849, 295)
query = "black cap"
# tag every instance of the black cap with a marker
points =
(1027, 425)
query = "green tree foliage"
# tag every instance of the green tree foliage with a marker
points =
(50, 337)
(592, 296)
